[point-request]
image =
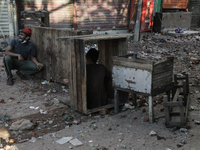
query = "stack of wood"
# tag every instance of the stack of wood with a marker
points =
(176, 108)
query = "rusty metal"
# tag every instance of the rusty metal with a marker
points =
(175, 4)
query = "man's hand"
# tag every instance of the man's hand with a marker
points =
(40, 66)
(20, 58)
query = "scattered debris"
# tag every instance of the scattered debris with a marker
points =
(32, 107)
(33, 140)
(159, 138)
(43, 112)
(75, 142)
(22, 141)
(12, 141)
(45, 82)
(146, 120)
(123, 146)
(183, 130)
(22, 125)
(183, 142)
(197, 122)
(4, 134)
(5, 118)
(152, 133)
(64, 140)
(68, 117)
(2, 101)
(127, 106)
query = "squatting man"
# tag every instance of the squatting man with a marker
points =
(17, 54)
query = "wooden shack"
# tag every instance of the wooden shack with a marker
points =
(141, 76)
(53, 53)
(109, 46)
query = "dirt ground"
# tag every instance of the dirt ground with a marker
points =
(54, 119)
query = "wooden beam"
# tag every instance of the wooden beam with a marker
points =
(33, 17)
(116, 97)
(151, 110)
(137, 24)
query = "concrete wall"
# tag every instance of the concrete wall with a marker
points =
(177, 20)
(194, 7)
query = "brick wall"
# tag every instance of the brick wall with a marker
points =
(194, 7)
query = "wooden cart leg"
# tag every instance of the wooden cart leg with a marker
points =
(134, 99)
(116, 99)
(151, 110)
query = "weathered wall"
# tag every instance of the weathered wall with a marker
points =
(61, 12)
(194, 7)
(91, 14)
(177, 20)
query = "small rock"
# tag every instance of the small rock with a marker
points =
(146, 120)
(12, 141)
(143, 110)
(33, 140)
(55, 126)
(76, 122)
(159, 138)
(183, 142)
(68, 123)
(197, 122)
(123, 146)
(174, 128)
(183, 130)
(51, 122)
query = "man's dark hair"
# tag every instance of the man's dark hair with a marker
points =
(93, 54)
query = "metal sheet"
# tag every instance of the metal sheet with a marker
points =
(175, 4)
(132, 79)
(6, 23)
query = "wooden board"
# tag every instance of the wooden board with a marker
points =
(134, 79)
(52, 52)
(133, 63)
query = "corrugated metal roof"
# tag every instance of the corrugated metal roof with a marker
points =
(4, 17)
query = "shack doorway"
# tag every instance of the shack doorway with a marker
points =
(108, 46)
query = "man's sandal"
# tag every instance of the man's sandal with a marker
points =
(23, 77)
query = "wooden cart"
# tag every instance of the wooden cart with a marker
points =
(141, 76)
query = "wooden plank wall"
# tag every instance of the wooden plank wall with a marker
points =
(77, 67)
(162, 76)
(108, 49)
(51, 52)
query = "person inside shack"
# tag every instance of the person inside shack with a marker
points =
(97, 80)
(17, 53)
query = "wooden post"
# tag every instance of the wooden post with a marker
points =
(182, 118)
(137, 24)
(15, 18)
(11, 28)
(134, 100)
(116, 99)
(45, 19)
(151, 111)
(167, 111)
(185, 94)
